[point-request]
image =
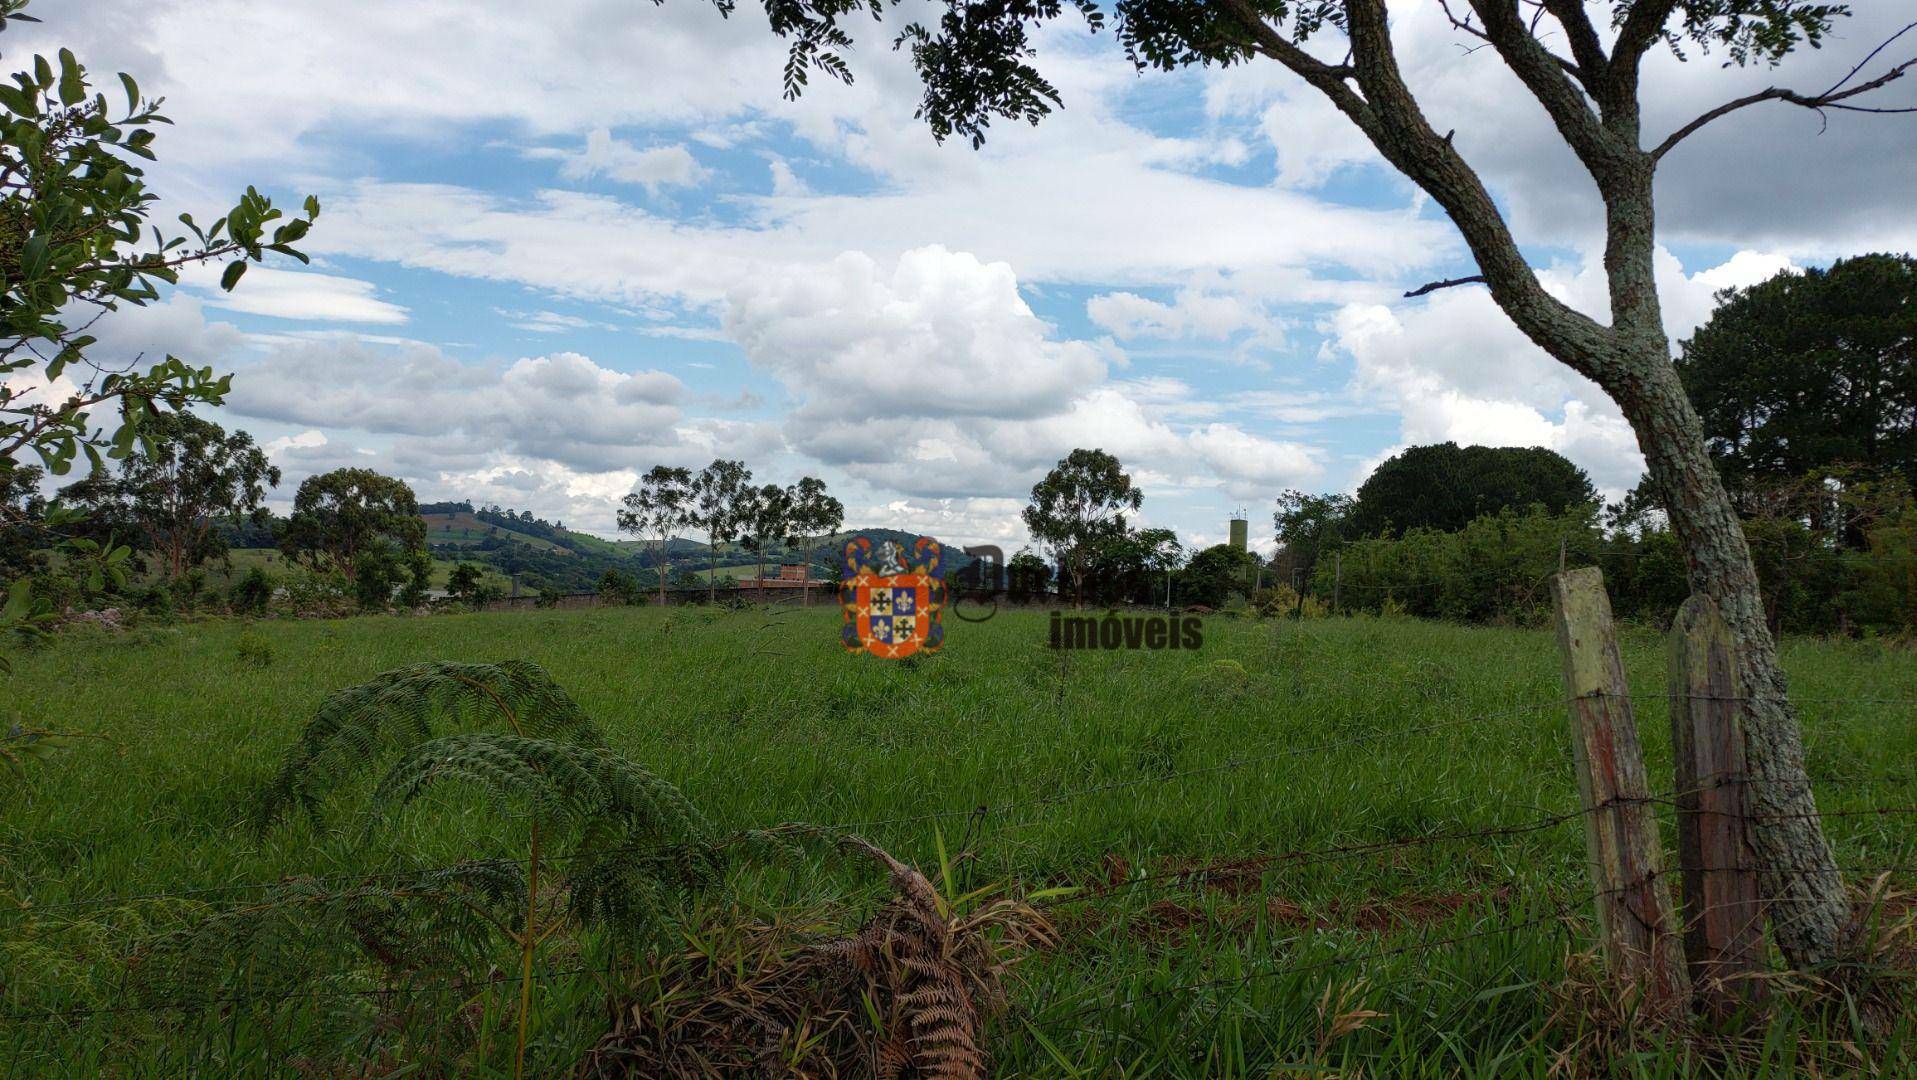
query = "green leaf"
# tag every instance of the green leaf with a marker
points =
(17, 101)
(42, 72)
(73, 86)
(232, 276)
(312, 206)
(132, 91)
(33, 256)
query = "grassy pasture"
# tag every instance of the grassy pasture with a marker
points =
(1099, 766)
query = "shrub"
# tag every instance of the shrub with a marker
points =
(251, 594)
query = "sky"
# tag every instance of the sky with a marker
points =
(563, 243)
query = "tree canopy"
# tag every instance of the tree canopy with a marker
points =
(1810, 371)
(1445, 486)
(1078, 508)
(349, 516)
(184, 481)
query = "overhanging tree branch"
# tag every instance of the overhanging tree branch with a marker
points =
(1837, 97)
(1447, 283)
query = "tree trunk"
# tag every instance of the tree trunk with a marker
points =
(1809, 910)
(712, 567)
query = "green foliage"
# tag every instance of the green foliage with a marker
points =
(1310, 526)
(1079, 507)
(1217, 574)
(177, 487)
(349, 516)
(74, 238)
(1810, 370)
(1446, 486)
(1495, 569)
(406, 707)
(721, 504)
(1027, 577)
(254, 651)
(618, 586)
(467, 584)
(658, 509)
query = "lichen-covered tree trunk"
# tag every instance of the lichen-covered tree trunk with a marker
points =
(1798, 874)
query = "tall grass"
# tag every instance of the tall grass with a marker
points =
(1096, 768)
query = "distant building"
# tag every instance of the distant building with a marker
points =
(1240, 533)
(791, 576)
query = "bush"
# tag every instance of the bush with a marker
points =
(619, 587)
(251, 594)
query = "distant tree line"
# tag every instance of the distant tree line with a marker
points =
(1807, 386)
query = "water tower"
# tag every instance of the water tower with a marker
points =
(1240, 530)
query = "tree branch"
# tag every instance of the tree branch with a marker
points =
(1834, 98)
(1474, 279)
(1543, 73)
(1586, 48)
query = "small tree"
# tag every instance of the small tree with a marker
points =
(1309, 526)
(720, 500)
(341, 517)
(179, 486)
(1079, 506)
(1216, 574)
(1026, 576)
(466, 584)
(620, 586)
(815, 514)
(658, 509)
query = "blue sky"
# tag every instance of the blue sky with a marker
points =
(562, 246)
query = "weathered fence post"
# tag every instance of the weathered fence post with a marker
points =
(1633, 901)
(1723, 916)
(1337, 582)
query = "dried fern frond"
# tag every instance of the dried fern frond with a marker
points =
(905, 995)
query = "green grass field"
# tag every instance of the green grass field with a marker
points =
(1097, 768)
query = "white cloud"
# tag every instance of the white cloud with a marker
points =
(940, 333)
(652, 167)
(1192, 314)
(563, 407)
(294, 294)
(933, 378)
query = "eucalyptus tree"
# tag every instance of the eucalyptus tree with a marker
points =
(658, 509)
(766, 519)
(178, 486)
(1078, 508)
(349, 517)
(815, 514)
(721, 499)
(1581, 60)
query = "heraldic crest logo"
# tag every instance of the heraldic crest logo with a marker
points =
(892, 597)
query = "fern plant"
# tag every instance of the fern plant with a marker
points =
(608, 842)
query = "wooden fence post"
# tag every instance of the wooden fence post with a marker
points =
(1723, 916)
(1337, 581)
(1633, 900)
